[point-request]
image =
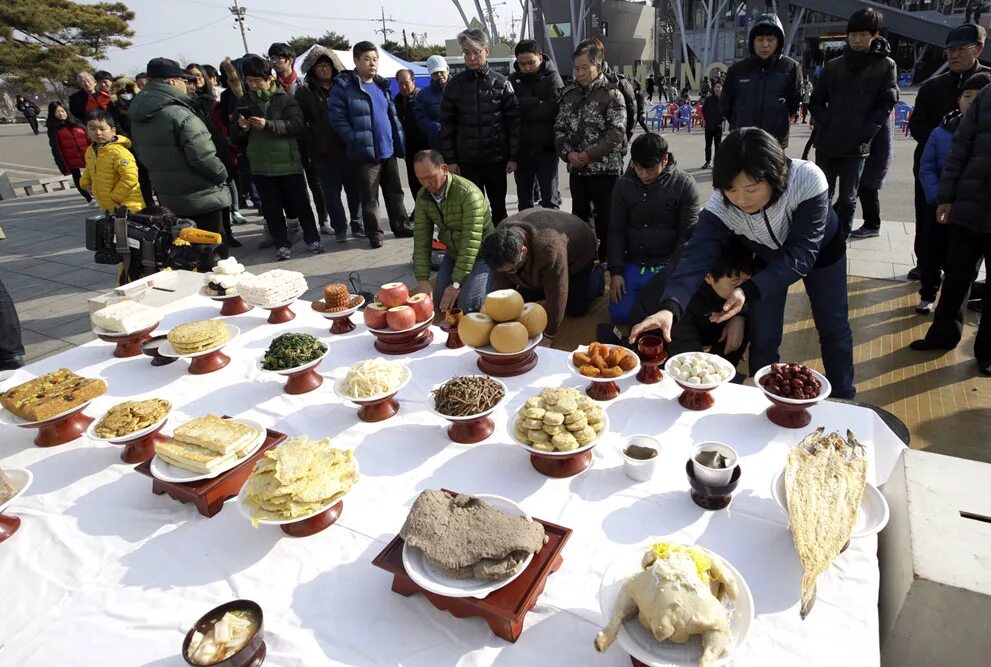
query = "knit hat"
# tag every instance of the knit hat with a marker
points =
(968, 33)
(436, 64)
(976, 81)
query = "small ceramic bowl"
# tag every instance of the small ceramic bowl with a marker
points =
(714, 476)
(251, 654)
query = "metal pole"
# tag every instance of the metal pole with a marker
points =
(239, 17)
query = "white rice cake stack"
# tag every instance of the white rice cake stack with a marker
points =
(272, 287)
(126, 317)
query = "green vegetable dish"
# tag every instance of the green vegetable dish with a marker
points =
(291, 351)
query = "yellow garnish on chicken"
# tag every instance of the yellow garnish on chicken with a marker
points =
(663, 551)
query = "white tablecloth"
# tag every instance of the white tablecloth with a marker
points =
(103, 572)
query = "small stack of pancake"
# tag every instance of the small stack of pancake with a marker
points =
(194, 337)
(207, 443)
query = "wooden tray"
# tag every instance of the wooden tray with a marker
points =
(209, 494)
(504, 609)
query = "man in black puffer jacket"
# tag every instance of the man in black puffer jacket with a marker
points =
(480, 123)
(964, 199)
(851, 101)
(538, 89)
(765, 89)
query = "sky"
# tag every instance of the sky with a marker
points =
(204, 30)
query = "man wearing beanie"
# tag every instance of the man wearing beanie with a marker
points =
(936, 98)
(852, 99)
(765, 89)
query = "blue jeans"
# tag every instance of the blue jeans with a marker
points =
(542, 169)
(332, 178)
(847, 171)
(826, 287)
(473, 289)
(635, 276)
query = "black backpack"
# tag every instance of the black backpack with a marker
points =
(625, 87)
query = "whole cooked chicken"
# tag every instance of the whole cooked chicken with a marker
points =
(678, 595)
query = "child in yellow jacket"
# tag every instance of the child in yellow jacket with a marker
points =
(111, 173)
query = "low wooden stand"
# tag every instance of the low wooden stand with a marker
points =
(507, 366)
(208, 363)
(142, 449)
(233, 306)
(62, 429)
(280, 314)
(404, 342)
(315, 523)
(602, 391)
(129, 345)
(472, 431)
(561, 466)
(8, 526)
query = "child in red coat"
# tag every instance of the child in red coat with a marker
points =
(68, 140)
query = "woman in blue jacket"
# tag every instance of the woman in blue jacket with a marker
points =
(779, 208)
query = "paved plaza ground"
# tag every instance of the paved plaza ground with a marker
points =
(50, 275)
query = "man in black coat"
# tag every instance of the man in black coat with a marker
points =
(851, 101)
(936, 98)
(416, 140)
(712, 115)
(480, 123)
(765, 89)
(538, 88)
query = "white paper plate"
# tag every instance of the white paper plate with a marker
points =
(368, 399)
(711, 358)
(342, 313)
(280, 522)
(170, 473)
(491, 351)
(290, 371)
(430, 579)
(9, 419)
(21, 478)
(432, 408)
(872, 516)
(626, 374)
(823, 392)
(91, 431)
(116, 334)
(419, 325)
(166, 349)
(640, 643)
(534, 450)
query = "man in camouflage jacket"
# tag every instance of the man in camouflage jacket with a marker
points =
(590, 135)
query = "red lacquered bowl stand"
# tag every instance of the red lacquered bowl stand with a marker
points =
(280, 314)
(506, 366)
(129, 345)
(142, 449)
(378, 410)
(315, 523)
(471, 431)
(404, 342)
(208, 363)
(561, 466)
(341, 325)
(602, 391)
(788, 415)
(62, 429)
(304, 381)
(233, 306)
(8, 525)
(652, 355)
(695, 399)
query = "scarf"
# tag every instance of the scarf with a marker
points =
(285, 83)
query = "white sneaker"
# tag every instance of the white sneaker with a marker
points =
(93, 204)
(924, 307)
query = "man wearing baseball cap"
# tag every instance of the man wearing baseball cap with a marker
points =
(177, 149)
(426, 107)
(936, 98)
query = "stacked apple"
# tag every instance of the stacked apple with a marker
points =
(395, 309)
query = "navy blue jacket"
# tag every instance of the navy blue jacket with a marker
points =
(426, 107)
(351, 116)
(934, 155)
(811, 242)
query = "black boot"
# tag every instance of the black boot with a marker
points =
(229, 233)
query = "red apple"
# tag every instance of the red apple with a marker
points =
(393, 294)
(423, 305)
(376, 316)
(400, 317)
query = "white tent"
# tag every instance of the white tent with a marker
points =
(388, 63)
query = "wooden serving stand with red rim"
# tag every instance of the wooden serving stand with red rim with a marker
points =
(62, 429)
(142, 449)
(787, 415)
(342, 325)
(505, 609)
(129, 345)
(233, 306)
(208, 363)
(209, 495)
(561, 466)
(506, 365)
(404, 342)
(8, 526)
(471, 431)
(315, 523)
(280, 314)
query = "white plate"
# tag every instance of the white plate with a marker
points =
(6, 375)
(626, 374)
(534, 450)
(640, 643)
(273, 306)
(116, 334)
(368, 399)
(491, 351)
(280, 522)
(91, 431)
(430, 579)
(872, 516)
(218, 297)
(342, 313)
(21, 479)
(711, 358)
(431, 407)
(824, 391)
(166, 349)
(170, 473)
(290, 371)
(419, 325)
(9, 419)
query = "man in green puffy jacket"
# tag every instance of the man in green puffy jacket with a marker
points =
(460, 213)
(176, 147)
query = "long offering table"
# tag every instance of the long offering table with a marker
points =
(104, 572)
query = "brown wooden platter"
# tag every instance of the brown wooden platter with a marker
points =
(505, 609)
(209, 495)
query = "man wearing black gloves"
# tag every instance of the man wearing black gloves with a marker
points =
(851, 101)
(936, 98)
(765, 89)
